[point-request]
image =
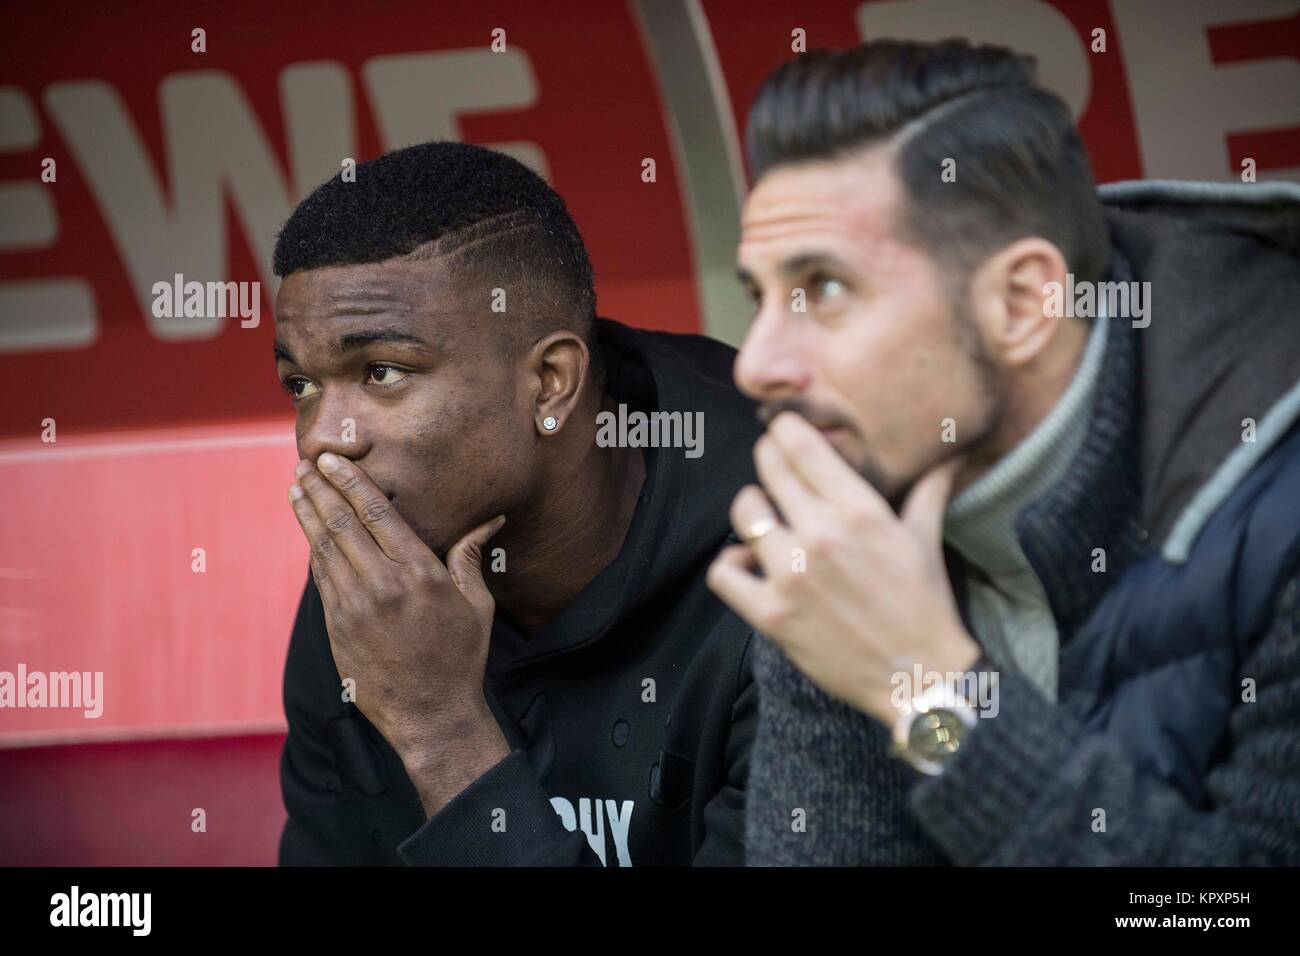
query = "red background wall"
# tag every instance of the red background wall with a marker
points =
(165, 445)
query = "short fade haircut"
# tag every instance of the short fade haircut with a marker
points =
(1021, 166)
(455, 199)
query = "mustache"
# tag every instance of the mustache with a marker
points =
(816, 416)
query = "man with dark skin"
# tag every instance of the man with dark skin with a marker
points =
(431, 427)
(376, 553)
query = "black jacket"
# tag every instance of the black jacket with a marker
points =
(630, 714)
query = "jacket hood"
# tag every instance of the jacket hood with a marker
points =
(682, 518)
(1268, 211)
(1220, 357)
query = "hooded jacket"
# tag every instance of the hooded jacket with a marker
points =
(630, 715)
(1173, 739)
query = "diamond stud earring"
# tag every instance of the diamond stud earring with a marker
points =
(549, 423)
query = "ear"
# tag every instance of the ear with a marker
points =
(1013, 290)
(559, 363)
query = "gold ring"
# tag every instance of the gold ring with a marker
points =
(758, 529)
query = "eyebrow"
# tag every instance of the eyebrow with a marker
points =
(357, 340)
(360, 339)
(799, 265)
(812, 260)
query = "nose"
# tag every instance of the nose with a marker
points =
(332, 425)
(771, 362)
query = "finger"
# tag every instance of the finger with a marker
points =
(741, 555)
(816, 461)
(801, 507)
(351, 539)
(731, 577)
(324, 587)
(751, 511)
(465, 564)
(328, 565)
(376, 513)
(329, 598)
(926, 503)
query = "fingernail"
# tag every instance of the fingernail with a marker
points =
(302, 468)
(329, 462)
(295, 492)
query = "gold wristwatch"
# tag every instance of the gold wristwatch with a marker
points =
(931, 726)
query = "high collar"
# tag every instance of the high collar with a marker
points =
(1097, 502)
(980, 522)
(681, 517)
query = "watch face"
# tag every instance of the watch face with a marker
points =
(936, 734)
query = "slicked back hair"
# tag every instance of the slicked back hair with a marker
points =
(1021, 168)
(499, 222)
